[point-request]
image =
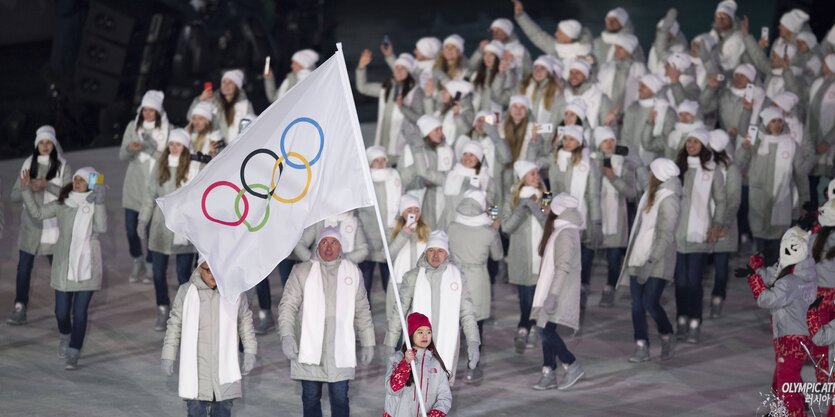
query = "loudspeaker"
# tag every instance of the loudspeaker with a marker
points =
(109, 23)
(99, 54)
(96, 86)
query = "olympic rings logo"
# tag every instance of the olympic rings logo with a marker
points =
(267, 192)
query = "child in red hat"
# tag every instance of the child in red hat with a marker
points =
(434, 377)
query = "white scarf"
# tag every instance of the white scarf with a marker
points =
(568, 291)
(160, 136)
(579, 178)
(756, 100)
(444, 164)
(241, 110)
(698, 220)
(347, 224)
(536, 228)
(642, 242)
(782, 190)
(228, 371)
(606, 80)
(701, 72)
(396, 141)
(446, 335)
(49, 228)
(81, 254)
(393, 189)
(593, 97)
(610, 199)
(405, 262)
(489, 154)
(568, 52)
(610, 39)
(313, 316)
(480, 220)
(777, 82)
(460, 174)
(539, 113)
(676, 139)
(448, 124)
(826, 121)
(193, 169)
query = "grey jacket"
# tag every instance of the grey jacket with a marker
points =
(794, 83)
(516, 223)
(208, 383)
(273, 94)
(435, 275)
(423, 174)
(637, 133)
(60, 261)
(825, 268)
(470, 248)
(434, 386)
(291, 310)
(789, 297)
(626, 186)
(814, 134)
(567, 272)
(761, 170)
(733, 199)
(219, 121)
(29, 234)
(306, 247)
(135, 187)
(662, 259)
(729, 107)
(717, 197)
(160, 238)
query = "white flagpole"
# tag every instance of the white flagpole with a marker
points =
(370, 190)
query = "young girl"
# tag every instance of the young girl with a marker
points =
(231, 104)
(49, 173)
(571, 171)
(451, 63)
(651, 257)
(302, 63)
(142, 144)
(786, 290)
(468, 174)
(401, 102)
(77, 270)
(473, 239)
(388, 188)
(697, 229)
(204, 140)
(408, 242)
(523, 216)
(423, 167)
(617, 185)
(174, 169)
(544, 90)
(727, 242)
(771, 160)
(558, 290)
(434, 383)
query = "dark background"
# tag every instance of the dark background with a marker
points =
(83, 65)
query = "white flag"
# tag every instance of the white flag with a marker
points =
(301, 161)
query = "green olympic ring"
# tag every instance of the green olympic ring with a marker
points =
(238, 211)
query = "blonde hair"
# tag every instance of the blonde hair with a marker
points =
(576, 154)
(654, 184)
(517, 188)
(550, 91)
(163, 171)
(514, 135)
(201, 136)
(422, 229)
(450, 70)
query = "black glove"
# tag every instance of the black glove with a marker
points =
(744, 272)
(807, 221)
(817, 303)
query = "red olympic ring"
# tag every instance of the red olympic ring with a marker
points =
(237, 190)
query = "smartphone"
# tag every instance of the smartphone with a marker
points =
(207, 85)
(720, 77)
(475, 182)
(764, 33)
(267, 66)
(456, 98)
(546, 198)
(397, 91)
(546, 128)
(95, 180)
(411, 219)
(490, 119)
(621, 150)
(494, 212)
(753, 130)
(607, 162)
(749, 92)
(243, 125)
(560, 130)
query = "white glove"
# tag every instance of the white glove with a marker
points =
(366, 355)
(142, 231)
(473, 355)
(249, 363)
(289, 347)
(167, 366)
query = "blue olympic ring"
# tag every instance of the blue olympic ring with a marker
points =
(321, 142)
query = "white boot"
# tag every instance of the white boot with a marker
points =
(137, 270)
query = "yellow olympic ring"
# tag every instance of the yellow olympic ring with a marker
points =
(306, 185)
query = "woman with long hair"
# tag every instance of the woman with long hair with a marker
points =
(523, 217)
(493, 82)
(651, 257)
(434, 376)
(544, 90)
(469, 173)
(174, 170)
(77, 268)
(400, 102)
(230, 102)
(557, 296)
(142, 144)
(450, 64)
(699, 227)
(205, 139)
(49, 173)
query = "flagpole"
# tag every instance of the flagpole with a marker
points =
(370, 190)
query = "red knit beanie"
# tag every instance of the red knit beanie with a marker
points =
(417, 320)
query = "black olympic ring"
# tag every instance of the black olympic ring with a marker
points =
(243, 169)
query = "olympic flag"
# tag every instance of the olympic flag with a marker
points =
(301, 161)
